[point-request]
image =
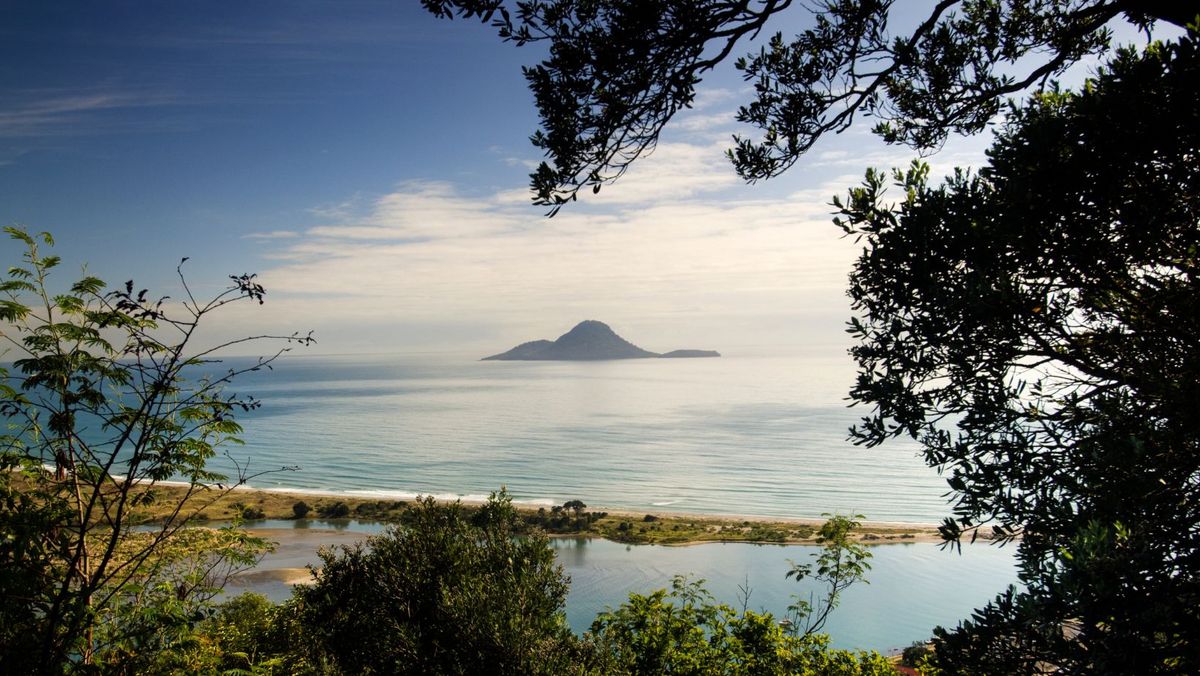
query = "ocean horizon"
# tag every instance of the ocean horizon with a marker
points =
(754, 435)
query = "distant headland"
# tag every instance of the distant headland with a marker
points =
(590, 340)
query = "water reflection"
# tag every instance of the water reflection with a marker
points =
(912, 587)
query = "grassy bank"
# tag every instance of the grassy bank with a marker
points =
(573, 519)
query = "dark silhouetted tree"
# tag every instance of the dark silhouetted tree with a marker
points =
(1036, 327)
(619, 70)
(446, 593)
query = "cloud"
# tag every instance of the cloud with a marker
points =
(681, 241)
(273, 234)
(674, 171)
(420, 210)
(54, 113)
(679, 247)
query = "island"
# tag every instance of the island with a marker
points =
(590, 340)
(689, 354)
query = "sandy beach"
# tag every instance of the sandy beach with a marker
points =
(633, 527)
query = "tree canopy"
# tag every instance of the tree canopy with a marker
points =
(1036, 326)
(619, 70)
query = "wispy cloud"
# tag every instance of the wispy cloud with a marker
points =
(272, 235)
(421, 210)
(66, 113)
(674, 171)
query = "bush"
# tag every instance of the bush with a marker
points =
(683, 632)
(338, 510)
(915, 653)
(447, 593)
(301, 509)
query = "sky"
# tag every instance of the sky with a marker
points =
(369, 162)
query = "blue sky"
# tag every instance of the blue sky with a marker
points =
(370, 163)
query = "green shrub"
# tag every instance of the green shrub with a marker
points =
(915, 653)
(683, 631)
(338, 510)
(448, 592)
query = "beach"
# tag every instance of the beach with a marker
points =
(655, 527)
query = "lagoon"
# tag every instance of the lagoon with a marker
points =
(911, 587)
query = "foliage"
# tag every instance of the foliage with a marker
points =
(247, 634)
(684, 632)
(841, 563)
(337, 510)
(916, 654)
(618, 71)
(448, 592)
(98, 410)
(300, 509)
(248, 512)
(1037, 328)
(154, 614)
(453, 591)
(558, 521)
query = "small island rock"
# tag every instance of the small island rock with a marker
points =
(589, 341)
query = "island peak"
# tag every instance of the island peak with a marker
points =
(589, 340)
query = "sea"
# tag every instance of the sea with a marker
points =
(755, 434)
(744, 434)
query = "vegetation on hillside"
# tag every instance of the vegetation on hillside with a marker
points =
(98, 410)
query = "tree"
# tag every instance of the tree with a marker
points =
(447, 593)
(619, 70)
(1036, 326)
(841, 563)
(576, 506)
(683, 632)
(98, 409)
(247, 634)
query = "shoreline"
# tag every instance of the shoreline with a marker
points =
(665, 527)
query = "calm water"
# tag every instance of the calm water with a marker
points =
(740, 434)
(912, 587)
